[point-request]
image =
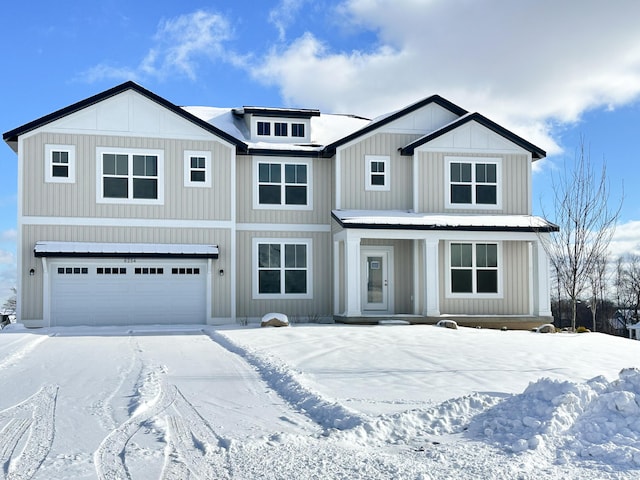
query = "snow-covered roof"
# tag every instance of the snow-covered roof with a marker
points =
(403, 219)
(151, 250)
(325, 128)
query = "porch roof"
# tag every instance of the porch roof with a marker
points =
(407, 220)
(120, 250)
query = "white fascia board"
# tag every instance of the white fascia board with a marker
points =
(284, 227)
(438, 235)
(124, 222)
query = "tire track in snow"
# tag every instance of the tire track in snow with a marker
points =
(37, 416)
(284, 381)
(195, 442)
(109, 457)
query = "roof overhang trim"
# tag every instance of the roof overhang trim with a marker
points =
(123, 250)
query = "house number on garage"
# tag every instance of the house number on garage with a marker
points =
(129, 260)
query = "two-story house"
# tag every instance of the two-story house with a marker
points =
(132, 210)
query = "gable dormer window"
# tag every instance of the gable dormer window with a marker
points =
(280, 129)
(264, 128)
(297, 129)
(377, 176)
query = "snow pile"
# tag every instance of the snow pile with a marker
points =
(596, 420)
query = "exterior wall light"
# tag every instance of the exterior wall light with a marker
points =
(221, 273)
(32, 272)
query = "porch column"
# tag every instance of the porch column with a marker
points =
(431, 288)
(353, 285)
(46, 293)
(541, 264)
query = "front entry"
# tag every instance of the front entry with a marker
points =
(377, 268)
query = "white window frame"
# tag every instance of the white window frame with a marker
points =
(283, 162)
(188, 154)
(474, 295)
(308, 242)
(49, 149)
(473, 161)
(130, 152)
(289, 137)
(385, 160)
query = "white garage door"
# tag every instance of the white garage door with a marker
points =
(111, 292)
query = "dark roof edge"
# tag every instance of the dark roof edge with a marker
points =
(330, 149)
(489, 228)
(123, 255)
(12, 135)
(536, 152)
(277, 112)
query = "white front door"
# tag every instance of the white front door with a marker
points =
(376, 267)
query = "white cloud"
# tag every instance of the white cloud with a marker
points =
(528, 64)
(284, 14)
(180, 43)
(626, 239)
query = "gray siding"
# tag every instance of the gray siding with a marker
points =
(515, 284)
(353, 173)
(433, 190)
(32, 287)
(79, 199)
(321, 302)
(320, 188)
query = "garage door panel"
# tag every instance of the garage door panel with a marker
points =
(146, 292)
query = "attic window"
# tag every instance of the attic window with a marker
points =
(280, 129)
(264, 128)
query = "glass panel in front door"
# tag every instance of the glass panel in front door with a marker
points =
(375, 280)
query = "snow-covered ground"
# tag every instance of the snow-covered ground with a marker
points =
(317, 402)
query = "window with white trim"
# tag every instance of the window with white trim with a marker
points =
(282, 184)
(130, 176)
(377, 176)
(280, 129)
(60, 164)
(264, 128)
(282, 268)
(297, 129)
(474, 268)
(473, 182)
(197, 169)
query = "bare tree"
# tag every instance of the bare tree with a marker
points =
(581, 208)
(10, 304)
(631, 279)
(598, 283)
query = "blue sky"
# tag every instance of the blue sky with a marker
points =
(550, 71)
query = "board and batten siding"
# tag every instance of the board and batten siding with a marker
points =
(433, 188)
(515, 285)
(79, 199)
(353, 171)
(320, 188)
(32, 286)
(321, 270)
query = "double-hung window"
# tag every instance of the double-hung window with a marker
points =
(60, 164)
(197, 169)
(284, 184)
(474, 269)
(377, 175)
(282, 268)
(473, 183)
(130, 176)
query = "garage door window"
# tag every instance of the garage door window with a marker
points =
(73, 270)
(111, 271)
(185, 271)
(148, 271)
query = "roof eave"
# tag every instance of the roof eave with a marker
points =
(330, 149)
(12, 135)
(536, 152)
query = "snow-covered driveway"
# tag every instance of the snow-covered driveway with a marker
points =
(112, 395)
(317, 402)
